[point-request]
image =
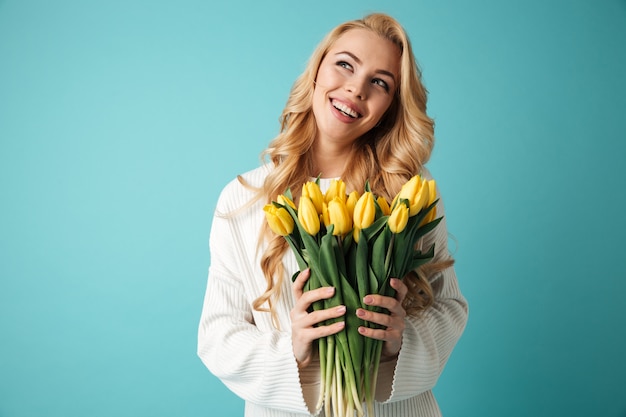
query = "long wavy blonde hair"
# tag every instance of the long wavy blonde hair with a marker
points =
(387, 156)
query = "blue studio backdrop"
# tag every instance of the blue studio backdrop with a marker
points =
(120, 122)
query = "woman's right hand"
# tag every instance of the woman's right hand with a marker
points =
(303, 329)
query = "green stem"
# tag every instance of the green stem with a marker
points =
(330, 366)
(374, 375)
(322, 350)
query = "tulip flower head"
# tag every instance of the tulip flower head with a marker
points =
(399, 218)
(364, 213)
(432, 189)
(416, 192)
(308, 215)
(351, 202)
(337, 188)
(279, 220)
(338, 216)
(312, 190)
(285, 201)
(384, 206)
(324, 217)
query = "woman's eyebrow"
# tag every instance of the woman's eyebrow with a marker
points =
(358, 61)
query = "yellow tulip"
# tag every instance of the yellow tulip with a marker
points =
(432, 189)
(399, 218)
(312, 190)
(416, 191)
(337, 189)
(279, 220)
(284, 200)
(308, 215)
(351, 202)
(364, 211)
(384, 206)
(338, 216)
(324, 217)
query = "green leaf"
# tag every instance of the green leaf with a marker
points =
(354, 338)
(351, 261)
(415, 230)
(348, 243)
(339, 256)
(423, 230)
(297, 251)
(362, 267)
(374, 228)
(329, 273)
(420, 259)
(288, 194)
(379, 253)
(374, 284)
(379, 211)
(402, 251)
(308, 241)
(313, 283)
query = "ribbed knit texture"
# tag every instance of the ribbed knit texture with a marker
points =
(255, 360)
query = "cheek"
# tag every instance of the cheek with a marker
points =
(318, 102)
(381, 108)
(326, 76)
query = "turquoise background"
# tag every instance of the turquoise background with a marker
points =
(120, 122)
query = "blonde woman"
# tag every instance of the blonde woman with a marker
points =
(357, 112)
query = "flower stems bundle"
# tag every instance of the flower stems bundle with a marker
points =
(354, 243)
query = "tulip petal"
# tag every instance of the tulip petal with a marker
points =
(308, 215)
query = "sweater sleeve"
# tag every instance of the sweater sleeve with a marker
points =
(257, 365)
(429, 338)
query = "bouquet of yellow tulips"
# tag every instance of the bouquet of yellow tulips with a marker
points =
(354, 243)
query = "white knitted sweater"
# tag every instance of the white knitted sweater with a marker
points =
(255, 360)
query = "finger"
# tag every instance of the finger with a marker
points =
(298, 284)
(385, 320)
(390, 303)
(320, 316)
(378, 334)
(307, 298)
(401, 289)
(318, 294)
(392, 338)
(314, 333)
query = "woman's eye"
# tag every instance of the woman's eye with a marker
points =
(344, 64)
(381, 83)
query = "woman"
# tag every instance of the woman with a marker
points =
(357, 112)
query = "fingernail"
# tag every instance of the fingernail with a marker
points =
(341, 324)
(330, 290)
(368, 299)
(341, 309)
(360, 313)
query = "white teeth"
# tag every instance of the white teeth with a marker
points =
(347, 110)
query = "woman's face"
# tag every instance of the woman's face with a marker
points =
(355, 85)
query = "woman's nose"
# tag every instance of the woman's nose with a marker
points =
(357, 87)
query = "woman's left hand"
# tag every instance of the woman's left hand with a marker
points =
(393, 322)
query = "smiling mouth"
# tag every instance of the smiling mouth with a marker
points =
(345, 109)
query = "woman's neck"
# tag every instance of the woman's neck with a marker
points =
(330, 162)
